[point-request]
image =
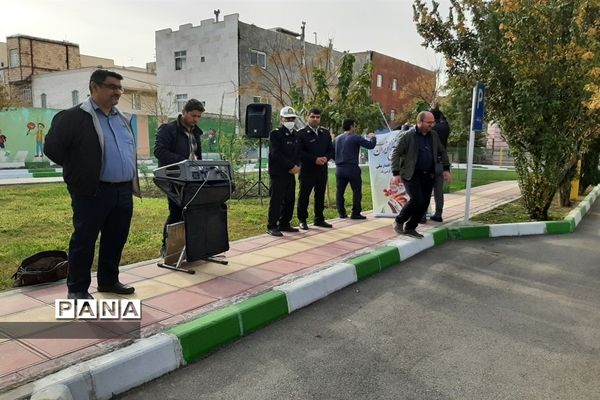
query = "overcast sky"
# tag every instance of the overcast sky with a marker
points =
(124, 29)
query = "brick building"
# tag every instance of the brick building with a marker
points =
(29, 56)
(389, 76)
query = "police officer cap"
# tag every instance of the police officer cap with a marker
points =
(287, 112)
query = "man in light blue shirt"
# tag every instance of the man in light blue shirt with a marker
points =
(94, 144)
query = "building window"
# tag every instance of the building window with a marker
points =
(136, 101)
(379, 80)
(43, 98)
(394, 84)
(202, 59)
(180, 57)
(14, 58)
(256, 99)
(27, 94)
(180, 100)
(392, 115)
(75, 97)
(258, 58)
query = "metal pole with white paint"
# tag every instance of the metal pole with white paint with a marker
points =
(477, 110)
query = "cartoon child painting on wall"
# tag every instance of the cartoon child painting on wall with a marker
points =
(39, 137)
(3, 151)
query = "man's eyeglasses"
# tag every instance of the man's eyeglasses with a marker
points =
(111, 86)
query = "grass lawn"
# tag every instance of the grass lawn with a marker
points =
(515, 212)
(37, 217)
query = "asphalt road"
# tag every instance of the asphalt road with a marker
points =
(513, 318)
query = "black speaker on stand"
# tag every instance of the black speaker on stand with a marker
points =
(258, 125)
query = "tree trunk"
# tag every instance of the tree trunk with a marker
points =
(565, 187)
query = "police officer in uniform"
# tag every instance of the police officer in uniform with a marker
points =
(316, 149)
(284, 163)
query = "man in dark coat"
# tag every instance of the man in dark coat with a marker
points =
(177, 141)
(414, 163)
(94, 144)
(316, 150)
(284, 163)
(442, 128)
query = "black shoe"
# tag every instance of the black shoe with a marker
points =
(358, 216)
(423, 220)
(79, 295)
(398, 228)
(436, 218)
(343, 215)
(274, 232)
(303, 225)
(288, 229)
(413, 233)
(117, 288)
(323, 224)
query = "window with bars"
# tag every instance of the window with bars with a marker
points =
(258, 58)
(180, 100)
(395, 84)
(14, 58)
(27, 94)
(379, 80)
(43, 98)
(136, 101)
(75, 97)
(180, 59)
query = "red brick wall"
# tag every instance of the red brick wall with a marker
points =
(391, 68)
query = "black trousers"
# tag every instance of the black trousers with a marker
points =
(107, 213)
(283, 197)
(438, 194)
(419, 189)
(175, 215)
(344, 175)
(315, 178)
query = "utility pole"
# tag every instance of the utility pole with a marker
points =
(303, 39)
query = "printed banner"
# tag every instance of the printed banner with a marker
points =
(388, 199)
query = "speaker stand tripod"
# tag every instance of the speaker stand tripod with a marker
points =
(258, 183)
(177, 266)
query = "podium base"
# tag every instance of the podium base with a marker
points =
(177, 266)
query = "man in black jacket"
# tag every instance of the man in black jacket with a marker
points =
(284, 163)
(442, 128)
(414, 163)
(94, 144)
(177, 141)
(316, 150)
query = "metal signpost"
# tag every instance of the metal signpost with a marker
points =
(476, 126)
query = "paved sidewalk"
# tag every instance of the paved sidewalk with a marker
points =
(256, 264)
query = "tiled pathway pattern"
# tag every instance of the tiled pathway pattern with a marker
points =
(31, 350)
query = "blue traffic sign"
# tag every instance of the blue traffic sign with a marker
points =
(478, 107)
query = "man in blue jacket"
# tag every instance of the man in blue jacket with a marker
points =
(94, 144)
(346, 147)
(177, 141)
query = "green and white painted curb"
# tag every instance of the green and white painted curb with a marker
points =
(149, 358)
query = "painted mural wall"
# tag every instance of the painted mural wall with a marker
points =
(23, 130)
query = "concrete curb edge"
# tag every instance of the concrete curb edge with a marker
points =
(149, 358)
